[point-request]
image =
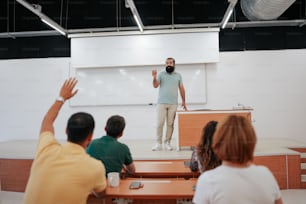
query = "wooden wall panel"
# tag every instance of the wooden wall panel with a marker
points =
(294, 171)
(14, 174)
(277, 165)
(302, 171)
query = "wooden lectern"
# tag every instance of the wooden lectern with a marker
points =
(191, 123)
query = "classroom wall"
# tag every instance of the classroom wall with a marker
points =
(271, 82)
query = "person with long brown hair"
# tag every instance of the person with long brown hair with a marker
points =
(238, 179)
(203, 157)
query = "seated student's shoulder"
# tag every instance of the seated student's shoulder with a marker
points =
(93, 161)
(95, 165)
(47, 137)
(97, 175)
(213, 173)
(262, 170)
(123, 145)
(46, 140)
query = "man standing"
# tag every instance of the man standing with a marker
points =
(65, 173)
(168, 82)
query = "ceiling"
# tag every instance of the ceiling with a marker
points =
(24, 35)
(90, 16)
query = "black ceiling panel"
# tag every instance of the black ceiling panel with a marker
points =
(85, 14)
(295, 38)
(114, 15)
(232, 40)
(36, 47)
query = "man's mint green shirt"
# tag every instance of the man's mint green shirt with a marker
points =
(168, 87)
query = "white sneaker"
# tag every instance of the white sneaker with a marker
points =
(157, 147)
(168, 147)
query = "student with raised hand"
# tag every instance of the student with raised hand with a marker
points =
(64, 173)
(238, 179)
(203, 157)
(113, 154)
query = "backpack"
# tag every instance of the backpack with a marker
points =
(193, 165)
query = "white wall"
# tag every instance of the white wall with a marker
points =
(271, 82)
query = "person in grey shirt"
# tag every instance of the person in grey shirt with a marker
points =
(169, 82)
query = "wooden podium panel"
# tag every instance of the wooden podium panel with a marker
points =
(191, 123)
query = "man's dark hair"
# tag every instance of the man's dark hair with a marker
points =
(115, 126)
(79, 126)
(171, 58)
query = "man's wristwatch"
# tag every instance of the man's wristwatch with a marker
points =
(61, 99)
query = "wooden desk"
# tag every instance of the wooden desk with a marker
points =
(154, 189)
(162, 191)
(191, 123)
(163, 169)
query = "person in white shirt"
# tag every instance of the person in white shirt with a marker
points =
(237, 180)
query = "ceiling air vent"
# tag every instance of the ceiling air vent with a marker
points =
(257, 10)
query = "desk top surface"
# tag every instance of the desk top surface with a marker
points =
(154, 189)
(163, 169)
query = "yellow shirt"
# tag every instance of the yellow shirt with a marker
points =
(62, 174)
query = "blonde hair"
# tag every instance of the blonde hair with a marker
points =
(235, 140)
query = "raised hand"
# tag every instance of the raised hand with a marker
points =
(67, 88)
(154, 73)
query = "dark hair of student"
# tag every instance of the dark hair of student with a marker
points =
(170, 58)
(235, 140)
(80, 125)
(115, 126)
(205, 152)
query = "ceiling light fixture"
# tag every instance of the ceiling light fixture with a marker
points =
(138, 23)
(130, 4)
(36, 9)
(227, 18)
(228, 12)
(54, 26)
(302, 24)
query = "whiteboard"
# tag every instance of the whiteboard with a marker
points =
(145, 49)
(133, 85)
